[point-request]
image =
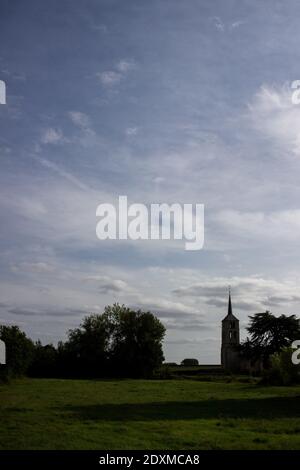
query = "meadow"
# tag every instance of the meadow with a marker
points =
(148, 414)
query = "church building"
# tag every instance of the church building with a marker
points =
(230, 358)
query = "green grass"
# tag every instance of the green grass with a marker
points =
(138, 414)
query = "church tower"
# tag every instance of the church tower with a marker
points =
(230, 340)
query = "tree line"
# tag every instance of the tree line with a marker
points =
(123, 342)
(120, 342)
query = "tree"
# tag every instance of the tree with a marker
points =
(19, 351)
(121, 341)
(269, 334)
(135, 340)
(86, 351)
(44, 362)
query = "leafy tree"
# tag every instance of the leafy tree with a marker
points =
(135, 340)
(121, 342)
(86, 351)
(19, 351)
(269, 334)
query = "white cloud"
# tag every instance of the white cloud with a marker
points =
(158, 179)
(249, 293)
(276, 225)
(131, 131)
(219, 25)
(79, 119)
(87, 136)
(52, 136)
(222, 27)
(167, 307)
(34, 267)
(126, 65)
(273, 114)
(108, 285)
(236, 24)
(109, 78)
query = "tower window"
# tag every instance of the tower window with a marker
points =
(232, 324)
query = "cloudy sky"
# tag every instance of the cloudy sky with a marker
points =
(162, 101)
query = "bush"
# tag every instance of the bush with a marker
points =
(189, 362)
(282, 370)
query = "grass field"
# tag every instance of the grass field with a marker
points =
(157, 414)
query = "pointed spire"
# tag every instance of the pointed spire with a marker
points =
(229, 302)
(229, 316)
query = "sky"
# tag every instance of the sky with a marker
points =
(161, 101)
